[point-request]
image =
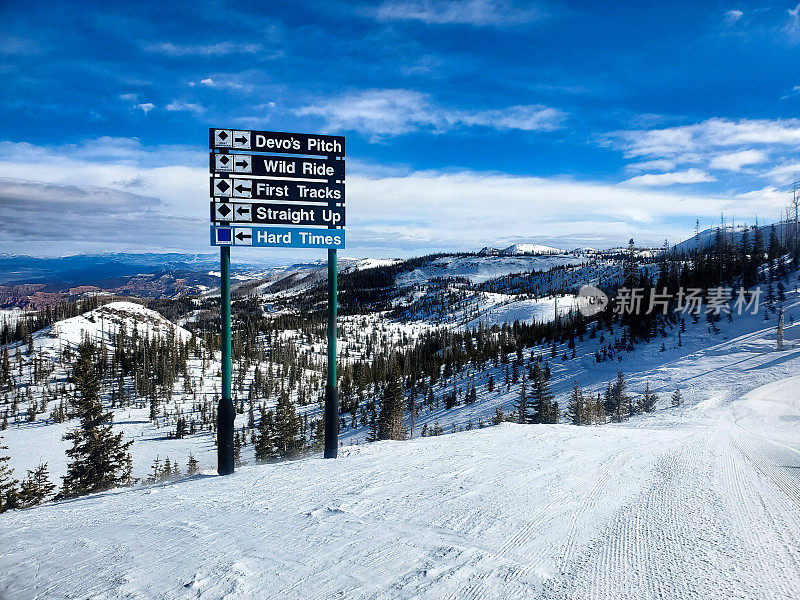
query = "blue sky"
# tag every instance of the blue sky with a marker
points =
(467, 123)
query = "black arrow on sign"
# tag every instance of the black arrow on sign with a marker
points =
(223, 186)
(239, 140)
(240, 188)
(224, 210)
(241, 164)
(241, 236)
(242, 211)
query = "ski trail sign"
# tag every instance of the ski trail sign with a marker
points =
(276, 142)
(288, 167)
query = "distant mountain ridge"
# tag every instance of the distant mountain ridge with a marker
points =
(520, 250)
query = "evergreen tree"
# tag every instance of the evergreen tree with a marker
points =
(677, 398)
(318, 435)
(6, 368)
(237, 449)
(543, 409)
(647, 403)
(522, 405)
(36, 488)
(600, 411)
(390, 420)
(617, 402)
(251, 415)
(576, 409)
(472, 395)
(758, 253)
(498, 416)
(629, 266)
(156, 471)
(166, 473)
(265, 444)
(372, 433)
(100, 459)
(9, 494)
(287, 428)
(193, 467)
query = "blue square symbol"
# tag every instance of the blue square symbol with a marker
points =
(224, 235)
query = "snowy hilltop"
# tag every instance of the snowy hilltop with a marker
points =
(519, 249)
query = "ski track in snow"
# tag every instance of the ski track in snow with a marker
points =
(703, 510)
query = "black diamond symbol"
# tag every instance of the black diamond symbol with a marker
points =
(224, 210)
(222, 135)
(223, 186)
(224, 159)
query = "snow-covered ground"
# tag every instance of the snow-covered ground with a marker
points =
(529, 310)
(699, 502)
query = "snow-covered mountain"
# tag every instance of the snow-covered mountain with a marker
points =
(519, 250)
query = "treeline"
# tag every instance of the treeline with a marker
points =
(20, 328)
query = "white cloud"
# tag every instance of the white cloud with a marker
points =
(732, 16)
(736, 160)
(795, 91)
(716, 143)
(18, 46)
(784, 174)
(769, 197)
(706, 136)
(649, 165)
(471, 12)
(395, 112)
(218, 49)
(246, 81)
(129, 97)
(182, 105)
(145, 106)
(658, 179)
(469, 209)
(792, 27)
(391, 211)
(527, 118)
(106, 194)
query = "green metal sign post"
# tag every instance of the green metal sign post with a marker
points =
(331, 391)
(225, 412)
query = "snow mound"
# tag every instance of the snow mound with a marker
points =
(108, 320)
(371, 263)
(518, 249)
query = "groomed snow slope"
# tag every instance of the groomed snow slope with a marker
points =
(696, 502)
